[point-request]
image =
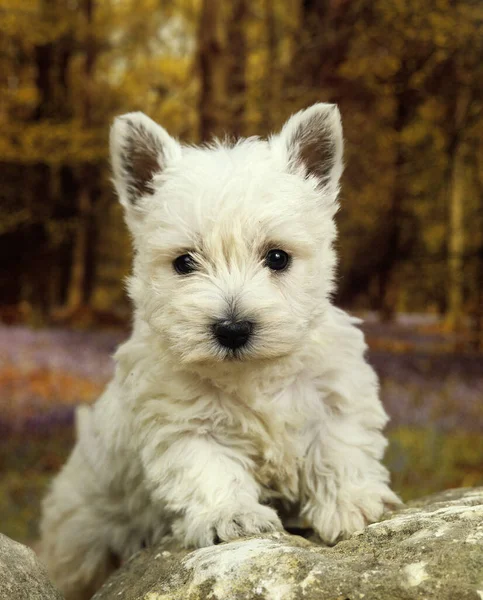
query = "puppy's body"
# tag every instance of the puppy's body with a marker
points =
(193, 436)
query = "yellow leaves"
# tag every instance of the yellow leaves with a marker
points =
(415, 133)
(432, 110)
(376, 64)
(37, 390)
(35, 22)
(434, 236)
(443, 27)
(444, 460)
(52, 143)
(26, 95)
(11, 220)
(21, 97)
(173, 70)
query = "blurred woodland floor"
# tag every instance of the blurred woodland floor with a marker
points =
(434, 398)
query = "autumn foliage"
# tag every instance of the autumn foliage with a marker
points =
(406, 74)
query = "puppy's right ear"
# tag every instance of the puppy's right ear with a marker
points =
(311, 143)
(140, 149)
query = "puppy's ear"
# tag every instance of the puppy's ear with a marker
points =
(140, 149)
(312, 144)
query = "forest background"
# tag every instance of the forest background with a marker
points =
(408, 78)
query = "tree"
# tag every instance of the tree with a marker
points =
(398, 63)
(80, 284)
(67, 70)
(236, 55)
(407, 78)
(211, 106)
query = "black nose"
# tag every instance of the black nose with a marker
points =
(232, 334)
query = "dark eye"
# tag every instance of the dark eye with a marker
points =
(185, 264)
(277, 260)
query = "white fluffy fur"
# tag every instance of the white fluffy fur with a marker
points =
(187, 439)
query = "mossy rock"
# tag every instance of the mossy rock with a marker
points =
(431, 549)
(22, 577)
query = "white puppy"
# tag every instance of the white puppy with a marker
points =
(241, 383)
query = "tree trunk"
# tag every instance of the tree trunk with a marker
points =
(323, 40)
(75, 296)
(454, 315)
(478, 310)
(79, 284)
(388, 276)
(211, 107)
(236, 72)
(478, 318)
(272, 86)
(457, 184)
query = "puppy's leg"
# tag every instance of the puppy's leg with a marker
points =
(73, 543)
(345, 486)
(209, 485)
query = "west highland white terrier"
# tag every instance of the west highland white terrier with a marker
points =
(241, 385)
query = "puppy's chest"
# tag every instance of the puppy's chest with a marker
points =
(277, 434)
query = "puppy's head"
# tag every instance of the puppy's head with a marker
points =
(233, 243)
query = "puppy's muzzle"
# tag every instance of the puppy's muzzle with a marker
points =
(232, 334)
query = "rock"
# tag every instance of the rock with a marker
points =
(431, 549)
(22, 577)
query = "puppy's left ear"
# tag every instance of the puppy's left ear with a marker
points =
(313, 145)
(140, 149)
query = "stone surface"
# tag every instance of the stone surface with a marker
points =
(432, 549)
(22, 577)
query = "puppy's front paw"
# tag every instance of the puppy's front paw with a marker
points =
(247, 521)
(353, 509)
(226, 524)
